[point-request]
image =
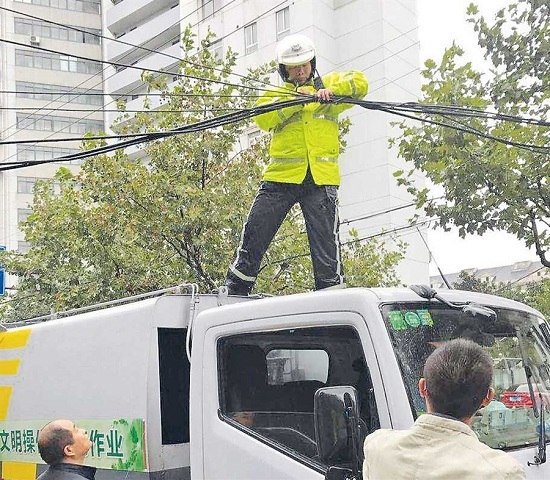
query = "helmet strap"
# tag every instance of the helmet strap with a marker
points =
(318, 81)
(282, 72)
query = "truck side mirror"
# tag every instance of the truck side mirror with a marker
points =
(336, 415)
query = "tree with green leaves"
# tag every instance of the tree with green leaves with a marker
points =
(489, 185)
(123, 226)
(534, 294)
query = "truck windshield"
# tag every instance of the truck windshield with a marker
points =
(509, 421)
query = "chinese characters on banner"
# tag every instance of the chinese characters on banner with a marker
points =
(116, 444)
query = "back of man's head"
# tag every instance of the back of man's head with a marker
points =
(52, 440)
(458, 375)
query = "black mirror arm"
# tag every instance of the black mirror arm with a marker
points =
(353, 435)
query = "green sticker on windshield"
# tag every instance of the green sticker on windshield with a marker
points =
(425, 318)
(397, 320)
(412, 319)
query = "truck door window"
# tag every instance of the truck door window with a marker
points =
(268, 381)
(174, 385)
(298, 364)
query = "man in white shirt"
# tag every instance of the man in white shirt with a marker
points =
(441, 445)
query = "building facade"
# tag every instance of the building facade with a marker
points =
(378, 37)
(44, 95)
(519, 273)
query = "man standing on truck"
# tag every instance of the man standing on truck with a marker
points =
(441, 445)
(63, 446)
(303, 169)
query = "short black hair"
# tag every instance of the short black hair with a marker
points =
(52, 446)
(458, 375)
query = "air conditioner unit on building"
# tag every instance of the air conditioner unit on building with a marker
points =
(35, 40)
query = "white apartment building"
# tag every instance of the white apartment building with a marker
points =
(378, 37)
(31, 106)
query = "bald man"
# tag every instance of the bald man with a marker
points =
(63, 446)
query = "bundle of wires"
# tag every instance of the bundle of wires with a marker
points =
(410, 110)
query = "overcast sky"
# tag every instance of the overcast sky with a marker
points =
(441, 22)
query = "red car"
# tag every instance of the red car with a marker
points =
(520, 398)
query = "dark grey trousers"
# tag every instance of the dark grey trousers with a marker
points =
(273, 201)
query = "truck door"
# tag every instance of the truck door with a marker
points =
(257, 388)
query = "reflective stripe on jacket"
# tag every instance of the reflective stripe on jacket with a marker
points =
(308, 133)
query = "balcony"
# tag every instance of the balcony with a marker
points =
(129, 79)
(153, 34)
(128, 13)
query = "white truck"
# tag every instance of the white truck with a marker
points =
(277, 388)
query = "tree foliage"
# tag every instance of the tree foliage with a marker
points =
(534, 294)
(123, 226)
(489, 185)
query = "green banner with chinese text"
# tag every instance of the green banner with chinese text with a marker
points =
(116, 444)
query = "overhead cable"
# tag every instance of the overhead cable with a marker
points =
(139, 86)
(145, 49)
(103, 70)
(148, 137)
(125, 65)
(389, 107)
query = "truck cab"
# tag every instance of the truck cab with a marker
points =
(261, 364)
(188, 386)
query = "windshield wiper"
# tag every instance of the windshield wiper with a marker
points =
(540, 456)
(472, 309)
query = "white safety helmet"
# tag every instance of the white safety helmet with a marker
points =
(295, 50)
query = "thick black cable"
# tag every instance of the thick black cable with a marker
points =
(148, 137)
(375, 214)
(116, 110)
(449, 110)
(247, 113)
(356, 240)
(397, 111)
(387, 107)
(145, 135)
(144, 94)
(459, 111)
(523, 146)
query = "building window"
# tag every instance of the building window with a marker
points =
(268, 382)
(29, 153)
(216, 49)
(42, 91)
(253, 137)
(87, 6)
(25, 184)
(51, 123)
(27, 26)
(52, 61)
(23, 214)
(250, 38)
(23, 247)
(210, 7)
(282, 18)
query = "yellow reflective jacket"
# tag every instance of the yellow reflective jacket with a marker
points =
(307, 134)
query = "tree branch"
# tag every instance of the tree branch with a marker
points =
(540, 252)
